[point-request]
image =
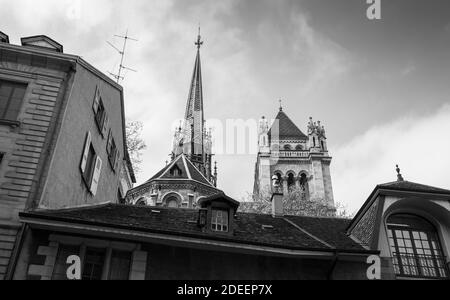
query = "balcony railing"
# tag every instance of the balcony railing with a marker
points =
(290, 153)
(420, 266)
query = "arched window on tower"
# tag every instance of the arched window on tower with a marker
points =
(415, 247)
(291, 181)
(287, 148)
(299, 148)
(304, 187)
(280, 178)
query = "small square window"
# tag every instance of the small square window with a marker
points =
(219, 220)
(11, 98)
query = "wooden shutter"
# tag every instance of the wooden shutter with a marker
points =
(96, 177)
(96, 100)
(116, 159)
(108, 144)
(105, 124)
(84, 158)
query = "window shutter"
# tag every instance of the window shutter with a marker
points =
(116, 159)
(87, 144)
(105, 124)
(96, 177)
(108, 144)
(96, 100)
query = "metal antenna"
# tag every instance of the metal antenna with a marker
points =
(125, 38)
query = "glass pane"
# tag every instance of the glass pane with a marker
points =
(93, 264)
(60, 269)
(120, 265)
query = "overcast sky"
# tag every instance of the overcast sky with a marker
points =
(381, 88)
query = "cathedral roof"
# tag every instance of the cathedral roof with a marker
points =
(286, 128)
(181, 168)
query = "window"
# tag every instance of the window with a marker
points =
(1, 157)
(172, 202)
(112, 151)
(11, 98)
(415, 247)
(176, 171)
(291, 181)
(287, 148)
(90, 166)
(299, 148)
(219, 221)
(94, 262)
(101, 118)
(120, 265)
(304, 187)
(60, 269)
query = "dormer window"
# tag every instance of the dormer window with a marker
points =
(176, 172)
(219, 220)
(415, 248)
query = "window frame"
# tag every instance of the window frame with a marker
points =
(94, 169)
(102, 120)
(416, 260)
(113, 153)
(13, 122)
(225, 216)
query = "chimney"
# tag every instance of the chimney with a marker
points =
(4, 38)
(277, 198)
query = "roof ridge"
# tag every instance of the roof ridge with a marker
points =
(308, 233)
(201, 174)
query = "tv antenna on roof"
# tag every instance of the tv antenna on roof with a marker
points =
(125, 38)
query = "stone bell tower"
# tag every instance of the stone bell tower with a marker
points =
(300, 161)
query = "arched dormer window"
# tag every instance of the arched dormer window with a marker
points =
(415, 247)
(287, 148)
(176, 172)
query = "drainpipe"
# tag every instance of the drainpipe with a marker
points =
(15, 254)
(333, 265)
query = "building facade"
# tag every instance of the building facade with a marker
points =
(299, 161)
(62, 136)
(401, 232)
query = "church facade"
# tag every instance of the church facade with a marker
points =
(300, 161)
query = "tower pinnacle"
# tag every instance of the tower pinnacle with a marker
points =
(199, 41)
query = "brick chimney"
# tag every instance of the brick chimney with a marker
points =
(277, 198)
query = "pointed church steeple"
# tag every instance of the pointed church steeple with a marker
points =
(194, 140)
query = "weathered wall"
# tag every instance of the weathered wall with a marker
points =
(65, 186)
(26, 146)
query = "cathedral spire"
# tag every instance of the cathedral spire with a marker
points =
(194, 141)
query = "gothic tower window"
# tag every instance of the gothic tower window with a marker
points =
(287, 148)
(415, 248)
(304, 188)
(280, 178)
(291, 181)
(299, 148)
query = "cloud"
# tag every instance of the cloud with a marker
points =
(419, 144)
